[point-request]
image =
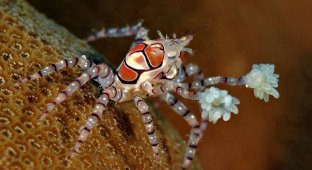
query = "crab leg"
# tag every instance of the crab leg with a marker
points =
(116, 32)
(188, 71)
(213, 81)
(91, 122)
(190, 118)
(82, 62)
(148, 122)
(92, 72)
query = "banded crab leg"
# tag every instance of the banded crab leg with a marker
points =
(109, 92)
(148, 122)
(82, 62)
(183, 111)
(136, 30)
(95, 70)
(91, 122)
(167, 87)
(232, 81)
(190, 118)
(188, 71)
(196, 132)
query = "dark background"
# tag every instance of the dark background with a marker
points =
(238, 33)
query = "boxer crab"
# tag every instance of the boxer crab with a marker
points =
(155, 68)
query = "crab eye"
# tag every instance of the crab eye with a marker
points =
(172, 72)
(172, 54)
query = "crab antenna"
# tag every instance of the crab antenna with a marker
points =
(186, 39)
(195, 31)
(174, 35)
(160, 35)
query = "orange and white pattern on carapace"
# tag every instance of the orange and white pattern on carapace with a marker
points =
(155, 54)
(137, 48)
(137, 61)
(141, 58)
(126, 73)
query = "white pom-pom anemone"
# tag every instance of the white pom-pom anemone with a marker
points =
(217, 103)
(263, 80)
